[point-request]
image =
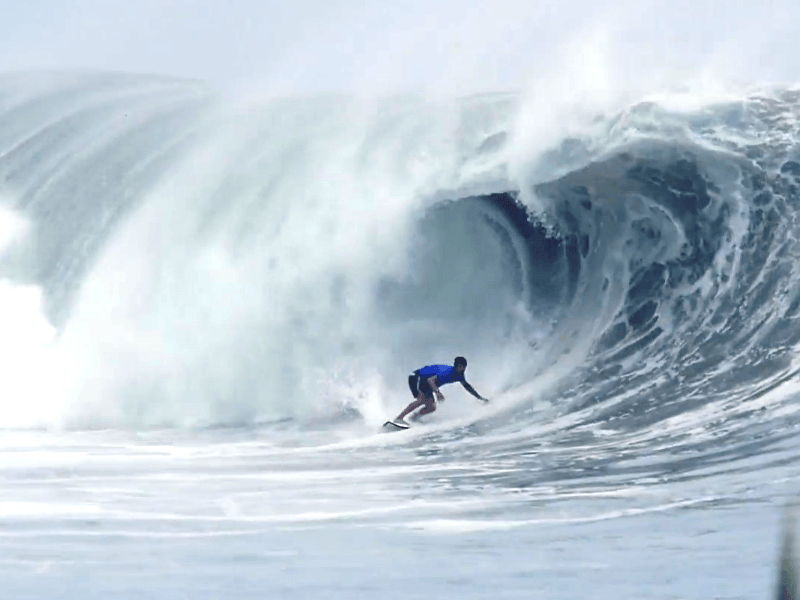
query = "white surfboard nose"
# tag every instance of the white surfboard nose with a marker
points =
(395, 426)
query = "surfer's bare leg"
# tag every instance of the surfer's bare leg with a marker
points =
(421, 399)
(412, 407)
(430, 406)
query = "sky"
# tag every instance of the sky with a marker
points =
(458, 46)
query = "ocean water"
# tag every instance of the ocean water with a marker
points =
(210, 305)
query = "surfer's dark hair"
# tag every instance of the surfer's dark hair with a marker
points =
(460, 360)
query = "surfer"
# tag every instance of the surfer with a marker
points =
(425, 382)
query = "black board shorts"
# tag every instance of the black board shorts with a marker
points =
(418, 383)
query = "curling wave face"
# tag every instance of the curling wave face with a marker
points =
(204, 262)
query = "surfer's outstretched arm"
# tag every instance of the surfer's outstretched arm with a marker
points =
(472, 391)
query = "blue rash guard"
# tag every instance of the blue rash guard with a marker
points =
(444, 374)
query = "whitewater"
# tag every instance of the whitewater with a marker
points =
(211, 302)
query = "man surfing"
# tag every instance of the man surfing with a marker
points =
(425, 382)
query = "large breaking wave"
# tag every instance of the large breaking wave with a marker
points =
(173, 258)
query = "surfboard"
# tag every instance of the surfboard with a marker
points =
(392, 426)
